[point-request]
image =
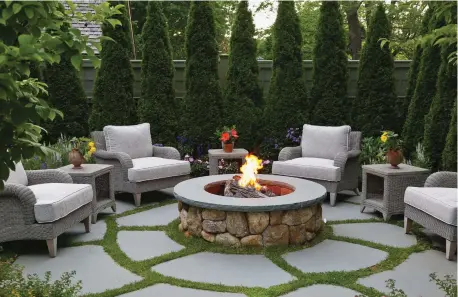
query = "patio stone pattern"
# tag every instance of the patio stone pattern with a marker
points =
(230, 270)
(346, 211)
(158, 216)
(160, 290)
(376, 232)
(323, 291)
(142, 245)
(78, 233)
(98, 272)
(412, 276)
(331, 255)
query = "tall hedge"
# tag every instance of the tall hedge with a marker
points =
(287, 105)
(113, 102)
(243, 92)
(203, 101)
(449, 153)
(413, 130)
(66, 93)
(374, 108)
(157, 103)
(329, 90)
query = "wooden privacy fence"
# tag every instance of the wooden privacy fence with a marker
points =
(401, 69)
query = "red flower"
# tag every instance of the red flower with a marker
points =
(225, 136)
(234, 133)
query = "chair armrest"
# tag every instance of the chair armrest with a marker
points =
(123, 158)
(354, 154)
(26, 198)
(48, 176)
(443, 179)
(340, 160)
(166, 152)
(289, 153)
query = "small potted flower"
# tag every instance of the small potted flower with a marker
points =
(76, 157)
(393, 147)
(228, 136)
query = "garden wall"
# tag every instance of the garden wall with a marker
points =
(401, 69)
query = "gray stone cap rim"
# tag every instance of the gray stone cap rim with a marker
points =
(306, 193)
(236, 153)
(404, 169)
(87, 169)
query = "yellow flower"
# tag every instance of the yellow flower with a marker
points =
(383, 138)
(385, 133)
(91, 144)
(92, 149)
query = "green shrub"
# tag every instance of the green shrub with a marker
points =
(329, 91)
(287, 105)
(372, 151)
(449, 153)
(243, 92)
(113, 102)
(419, 158)
(157, 104)
(203, 101)
(374, 108)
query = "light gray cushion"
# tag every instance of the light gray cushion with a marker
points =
(324, 142)
(155, 168)
(134, 140)
(18, 176)
(56, 200)
(440, 203)
(313, 168)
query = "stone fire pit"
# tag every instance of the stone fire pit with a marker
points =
(293, 217)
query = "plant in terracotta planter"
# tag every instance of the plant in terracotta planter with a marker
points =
(393, 148)
(228, 136)
(76, 156)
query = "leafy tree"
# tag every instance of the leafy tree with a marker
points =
(243, 91)
(329, 90)
(203, 101)
(449, 153)
(309, 14)
(287, 105)
(113, 102)
(374, 108)
(157, 102)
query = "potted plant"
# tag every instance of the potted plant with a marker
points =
(228, 136)
(393, 148)
(76, 157)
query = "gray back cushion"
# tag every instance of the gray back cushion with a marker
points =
(324, 142)
(18, 176)
(134, 140)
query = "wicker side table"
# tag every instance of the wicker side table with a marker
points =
(383, 187)
(215, 155)
(100, 177)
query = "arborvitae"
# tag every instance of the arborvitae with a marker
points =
(203, 101)
(66, 93)
(329, 90)
(243, 92)
(287, 105)
(449, 153)
(157, 104)
(113, 102)
(413, 130)
(374, 108)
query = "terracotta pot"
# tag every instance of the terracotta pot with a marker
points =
(76, 158)
(223, 144)
(228, 147)
(394, 158)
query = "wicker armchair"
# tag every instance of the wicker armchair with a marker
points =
(22, 218)
(161, 169)
(336, 174)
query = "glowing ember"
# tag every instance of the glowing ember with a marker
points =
(249, 170)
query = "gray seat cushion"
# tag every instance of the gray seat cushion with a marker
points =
(155, 168)
(133, 140)
(440, 203)
(324, 142)
(312, 168)
(55, 200)
(18, 176)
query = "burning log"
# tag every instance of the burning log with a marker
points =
(233, 189)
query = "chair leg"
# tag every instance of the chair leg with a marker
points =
(357, 192)
(94, 218)
(333, 197)
(450, 249)
(361, 208)
(52, 247)
(138, 199)
(407, 225)
(87, 224)
(113, 207)
(386, 217)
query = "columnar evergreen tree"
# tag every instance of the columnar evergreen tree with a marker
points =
(203, 101)
(66, 93)
(113, 102)
(329, 90)
(243, 92)
(413, 130)
(287, 105)
(157, 102)
(449, 153)
(374, 108)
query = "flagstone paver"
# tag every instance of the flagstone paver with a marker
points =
(163, 290)
(346, 211)
(78, 233)
(322, 291)
(376, 232)
(331, 255)
(412, 276)
(97, 271)
(230, 270)
(154, 217)
(142, 245)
